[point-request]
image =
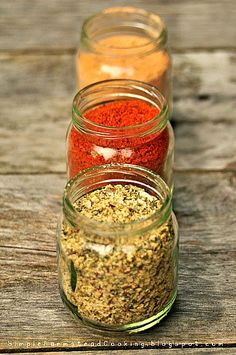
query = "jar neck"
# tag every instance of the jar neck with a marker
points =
(100, 176)
(123, 21)
(113, 90)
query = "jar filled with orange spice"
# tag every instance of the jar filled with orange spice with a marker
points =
(120, 122)
(124, 43)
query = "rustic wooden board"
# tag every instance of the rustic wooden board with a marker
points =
(202, 24)
(204, 205)
(38, 111)
(204, 108)
(31, 310)
(53, 75)
(206, 145)
(37, 47)
(201, 74)
(35, 143)
(186, 351)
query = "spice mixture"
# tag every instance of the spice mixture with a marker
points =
(118, 280)
(150, 67)
(84, 151)
(123, 113)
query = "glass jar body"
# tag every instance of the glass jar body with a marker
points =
(126, 285)
(155, 152)
(131, 44)
(150, 144)
(115, 280)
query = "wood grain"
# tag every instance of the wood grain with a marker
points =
(203, 24)
(37, 48)
(45, 75)
(187, 351)
(35, 142)
(204, 108)
(35, 112)
(206, 145)
(204, 205)
(31, 310)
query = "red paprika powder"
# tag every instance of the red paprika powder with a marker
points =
(119, 129)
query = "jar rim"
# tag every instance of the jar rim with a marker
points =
(86, 176)
(145, 23)
(138, 90)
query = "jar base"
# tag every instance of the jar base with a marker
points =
(128, 328)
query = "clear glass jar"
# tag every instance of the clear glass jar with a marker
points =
(118, 277)
(149, 144)
(124, 43)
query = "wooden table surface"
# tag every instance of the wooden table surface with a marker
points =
(37, 47)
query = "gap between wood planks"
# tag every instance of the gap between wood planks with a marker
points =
(73, 50)
(176, 171)
(148, 349)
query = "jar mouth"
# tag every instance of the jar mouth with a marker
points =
(106, 91)
(116, 21)
(96, 177)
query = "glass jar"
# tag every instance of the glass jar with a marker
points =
(149, 144)
(118, 277)
(124, 43)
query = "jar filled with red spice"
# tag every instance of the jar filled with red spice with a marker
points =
(120, 121)
(124, 43)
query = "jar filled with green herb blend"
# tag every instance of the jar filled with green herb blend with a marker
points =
(118, 248)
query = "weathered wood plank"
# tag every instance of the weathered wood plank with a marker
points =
(204, 74)
(36, 94)
(195, 74)
(31, 309)
(38, 111)
(204, 204)
(36, 76)
(191, 24)
(187, 351)
(206, 145)
(33, 273)
(33, 138)
(30, 205)
(33, 135)
(204, 108)
(35, 142)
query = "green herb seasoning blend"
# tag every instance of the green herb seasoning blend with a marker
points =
(118, 248)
